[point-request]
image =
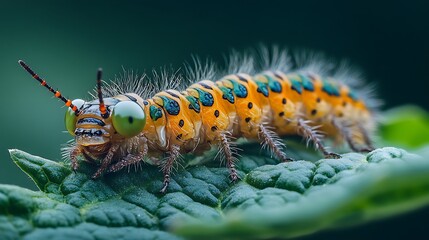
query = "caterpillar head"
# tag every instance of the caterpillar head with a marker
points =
(97, 123)
(124, 119)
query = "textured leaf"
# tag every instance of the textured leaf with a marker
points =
(272, 199)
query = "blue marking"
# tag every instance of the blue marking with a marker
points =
(262, 88)
(171, 106)
(205, 98)
(227, 94)
(155, 112)
(330, 89)
(193, 104)
(296, 85)
(307, 83)
(353, 95)
(274, 85)
(239, 90)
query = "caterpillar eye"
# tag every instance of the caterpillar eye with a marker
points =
(70, 117)
(128, 118)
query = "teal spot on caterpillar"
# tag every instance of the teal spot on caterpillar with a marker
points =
(193, 104)
(353, 95)
(330, 88)
(227, 94)
(307, 83)
(239, 90)
(155, 112)
(296, 85)
(171, 106)
(262, 88)
(274, 85)
(205, 98)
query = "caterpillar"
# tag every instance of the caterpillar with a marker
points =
(260, 98)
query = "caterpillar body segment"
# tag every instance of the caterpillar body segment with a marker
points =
(125, 127)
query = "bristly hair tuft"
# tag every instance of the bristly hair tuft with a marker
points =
(128, 82)
(167, 78)
(271, 59)
(312, 62)
(144, 85)
(198, 70)
(66, 149)
(237, 62)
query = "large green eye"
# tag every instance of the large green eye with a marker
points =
(128, 118)
(70, 118)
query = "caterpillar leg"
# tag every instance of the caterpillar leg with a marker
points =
(366, 138)
(311, 134)
(167, 166)
(106, 161)
(272, 141)
(130, 159)
(347, 132)
(73, 158)
(227, 150)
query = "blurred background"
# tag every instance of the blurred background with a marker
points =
(66, 41)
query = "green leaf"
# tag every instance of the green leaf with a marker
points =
(272, 199)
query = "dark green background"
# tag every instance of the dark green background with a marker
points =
(65, 42)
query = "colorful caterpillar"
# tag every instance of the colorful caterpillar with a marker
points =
(130, 125)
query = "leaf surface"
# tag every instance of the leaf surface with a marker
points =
(271, 200)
